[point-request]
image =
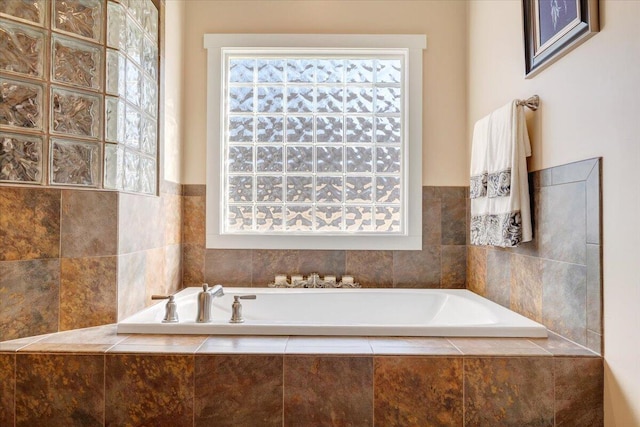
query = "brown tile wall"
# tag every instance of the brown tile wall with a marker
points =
(68, 256)
(299, 390)
(149, 247)
(555, 279)
(440, 264)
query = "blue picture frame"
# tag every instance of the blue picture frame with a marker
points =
(552, 28)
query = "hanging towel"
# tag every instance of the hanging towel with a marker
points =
(500, 209)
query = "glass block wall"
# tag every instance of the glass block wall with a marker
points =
(79, 93)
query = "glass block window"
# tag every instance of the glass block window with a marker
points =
(313, 142)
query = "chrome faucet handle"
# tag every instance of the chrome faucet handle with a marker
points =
(236, 308)
(171, 309)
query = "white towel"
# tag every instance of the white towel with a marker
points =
(500, 209)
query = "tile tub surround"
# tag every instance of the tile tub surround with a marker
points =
(67, 256)
(440, 264)
(556, 279)
(298, 381)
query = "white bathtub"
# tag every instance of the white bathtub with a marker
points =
(362, 312)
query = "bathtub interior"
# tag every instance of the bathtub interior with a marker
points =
(362, 312)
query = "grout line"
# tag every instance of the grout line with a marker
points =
(540, 347)
(456, 347)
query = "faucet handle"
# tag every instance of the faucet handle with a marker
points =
(236, 308)
(171, 309)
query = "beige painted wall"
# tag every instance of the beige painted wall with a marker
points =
(173, 89)
(590, 107)
(444, 123)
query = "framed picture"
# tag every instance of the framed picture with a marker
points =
(552, 28)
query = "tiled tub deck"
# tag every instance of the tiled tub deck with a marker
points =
(95, 377)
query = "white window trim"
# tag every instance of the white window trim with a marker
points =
(413, 44)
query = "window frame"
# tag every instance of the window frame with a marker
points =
(411, 46)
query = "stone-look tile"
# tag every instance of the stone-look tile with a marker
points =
(572, 172)
(526, 286)
(131, 283)
(328, 391)
(594, 204)
(420, 346)
(454, 226)
(149, 390)
(267, 263)
(594, 288)
(508, 391)
(454, 267)
(89, 224)
(7, 388)
(238, 390)
(321, 262)
(62, 390)
(172, 268)
(194, 190)
(244, 344)
(431, 221)
(30, 294)
(545, 177)
(328, 345)
(90, 340)
(418, 391)
(579, 391)
(477, 269)
(139, 219)
(498, 286)
(594, 342)
(562, 223)
(417, 269)
(154, 282)
(193, 213)
(17, 344)
(564, 296)
(450, 192)
(498, 346)
(30, 223)
(468, 216)
(88, 288)
(172, 206)
(229, 267)
(559, 346)
(166, 344)
(192, 265)
(372, 269)
(429, 193)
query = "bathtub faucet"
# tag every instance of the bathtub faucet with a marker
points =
(205, 302)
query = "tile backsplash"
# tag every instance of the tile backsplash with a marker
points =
(440, 264)
(556, 279)
(80, 258)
